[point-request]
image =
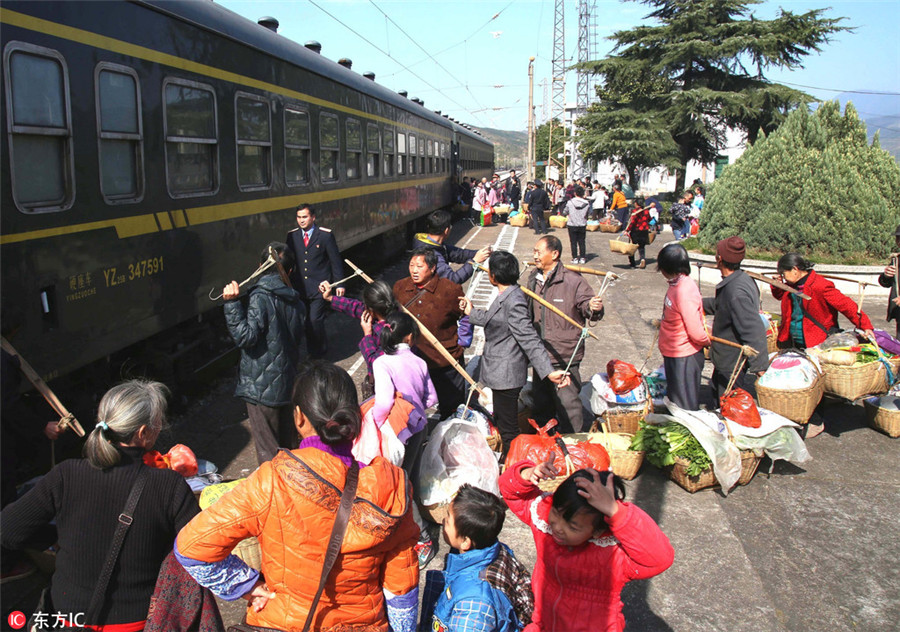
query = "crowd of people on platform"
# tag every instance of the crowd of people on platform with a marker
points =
(333, 483)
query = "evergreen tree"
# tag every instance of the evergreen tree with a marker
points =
(701, 71)
(813, 186)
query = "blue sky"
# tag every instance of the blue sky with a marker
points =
(457, 53)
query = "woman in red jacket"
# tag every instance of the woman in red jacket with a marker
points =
(807, 323)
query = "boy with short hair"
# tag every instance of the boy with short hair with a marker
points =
(483, 588)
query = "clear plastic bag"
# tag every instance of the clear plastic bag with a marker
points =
(456, 453)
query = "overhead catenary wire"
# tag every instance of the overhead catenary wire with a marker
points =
(388, 55)
(430, 56)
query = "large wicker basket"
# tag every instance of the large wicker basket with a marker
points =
(853, 382)
(887, 421)
(558, 221)
(624, 463)
(795, 404)
(592, 228)
(436, 513)
(610, 228)
(622, 247)
(249, 551)
(520, 220)
(706, 479)
(625, 419)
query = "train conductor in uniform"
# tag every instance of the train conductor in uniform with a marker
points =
(318, 259)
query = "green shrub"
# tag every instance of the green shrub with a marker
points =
(813, 186)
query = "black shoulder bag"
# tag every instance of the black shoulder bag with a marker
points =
(125, 519)
(341, 521)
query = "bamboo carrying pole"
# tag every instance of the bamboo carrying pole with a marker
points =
(760, 277)
(66, 419)
(556, 311)
(582, 270)
(430, 337)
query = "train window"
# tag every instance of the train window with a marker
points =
(373, 149)
(354, 150)
(388, 152)
(430, 151)
(421, 158)
(40, 128)
(296, 147)
(329, 147)
(412, 155)
(401, 149)
(121, 142)
(253, 133)
(192, 143)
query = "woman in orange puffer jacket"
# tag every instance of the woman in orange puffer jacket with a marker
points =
(290, 503)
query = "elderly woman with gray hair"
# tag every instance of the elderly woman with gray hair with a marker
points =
(87, 498)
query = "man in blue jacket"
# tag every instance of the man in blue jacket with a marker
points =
(318, 259)
(438, 229)
(268, 333)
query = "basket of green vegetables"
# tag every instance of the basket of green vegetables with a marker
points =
(672, 447)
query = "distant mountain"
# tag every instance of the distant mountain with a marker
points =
(881, 114)
(509, 147)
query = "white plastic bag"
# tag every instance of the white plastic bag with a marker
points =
(374, 441)
(456, 453)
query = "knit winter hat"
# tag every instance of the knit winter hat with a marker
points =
(731, 250)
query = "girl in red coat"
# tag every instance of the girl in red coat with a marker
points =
(807, 323)
(589, 544)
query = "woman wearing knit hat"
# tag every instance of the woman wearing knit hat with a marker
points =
(736, 310)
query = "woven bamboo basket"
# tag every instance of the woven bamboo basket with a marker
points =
(625, 420)
(249, 551)
(651, 237)
(592, 228)
(624, 463)
(706, 479)
(622, 247)
(558, 221)
(520, 220)
(795, 404)
(550, 484)
(887, 421)
(853, 382)
(610, 228)
(771, 341)
(437, 512)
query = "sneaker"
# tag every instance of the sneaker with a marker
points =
(574, 260)
(582, 260)
(425, 552)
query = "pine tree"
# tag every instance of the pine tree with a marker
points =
(813, 186)
(701, 70)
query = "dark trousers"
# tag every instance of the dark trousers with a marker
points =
(683, 380)
(622, 216)
(537, 221)
(564, 404)
(506, 414)
(271, 428)
(450, 387)
(576, 240)
(316, 340)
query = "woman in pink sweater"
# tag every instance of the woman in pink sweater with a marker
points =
(682, 332)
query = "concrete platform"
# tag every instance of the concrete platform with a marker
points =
(799, 550)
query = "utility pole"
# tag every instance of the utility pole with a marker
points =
(530, 164)
(559, 77)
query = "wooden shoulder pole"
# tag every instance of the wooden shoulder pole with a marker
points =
(430, 337)
(66, 418)
(556, 310)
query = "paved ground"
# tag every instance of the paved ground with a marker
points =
(800, 550)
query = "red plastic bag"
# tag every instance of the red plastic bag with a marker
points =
(695, 227)
(623, 377)
(180, 458)
(738, 406)
(535, 448)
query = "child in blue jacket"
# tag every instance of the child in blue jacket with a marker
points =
(483, 588)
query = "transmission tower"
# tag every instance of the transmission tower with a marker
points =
(558, 107)
(582, 84)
